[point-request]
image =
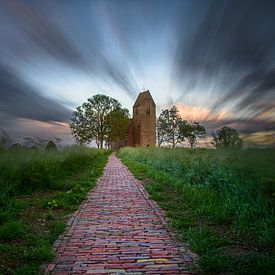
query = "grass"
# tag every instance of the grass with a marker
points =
(220, 202)
(12, 230)
(38, 192)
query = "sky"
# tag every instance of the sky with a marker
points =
(214, 60)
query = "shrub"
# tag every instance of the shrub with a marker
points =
(51, 146)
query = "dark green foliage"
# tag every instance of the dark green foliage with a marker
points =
(169, 127)
(97, 119)
(38, 254)
(35, 171)
(16, 147)
(38, 189)
(57, 229)
(12, 230)
(227, 137)
(202, 239)
(172, 129)
(29, 269)
(218, 200)
(215, 263)
(192, 131)
(51, 146)
(118, 125)
(255, 264)
(10, 210)
(4, 248)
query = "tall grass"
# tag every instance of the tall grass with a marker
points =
(25, 171)
(38, 190)
(214, 188)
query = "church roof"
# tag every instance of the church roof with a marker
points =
(142, 96)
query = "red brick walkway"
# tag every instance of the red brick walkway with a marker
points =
(118, 230)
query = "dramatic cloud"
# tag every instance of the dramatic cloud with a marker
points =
(45, 37)
(17, 130)
(19, 99)
(231, 54)
(214, 59)
(193, 113)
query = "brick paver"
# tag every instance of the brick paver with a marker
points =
(118, 230)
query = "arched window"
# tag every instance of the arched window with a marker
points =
(148, 111)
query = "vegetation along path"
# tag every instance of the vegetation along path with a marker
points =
(118, 230)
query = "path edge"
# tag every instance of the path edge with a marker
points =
(47, 268)
(189, 257)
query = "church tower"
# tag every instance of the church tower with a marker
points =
(142, 130)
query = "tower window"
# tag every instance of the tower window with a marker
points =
(148, 111)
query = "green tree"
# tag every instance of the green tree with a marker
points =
(227, 137)
(51, 146)
(169, 127)
(193, 131)
(118, 124)
(5, 140)
(162, 127)
(96, 120)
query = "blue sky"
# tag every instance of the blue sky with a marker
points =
(213, 59)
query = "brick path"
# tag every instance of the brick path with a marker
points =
(118, 230)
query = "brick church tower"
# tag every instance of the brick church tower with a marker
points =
(142, 130)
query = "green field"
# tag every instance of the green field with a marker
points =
(221, 203)
(38, 192)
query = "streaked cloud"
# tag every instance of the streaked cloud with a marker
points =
(20, 128)
(194, 113)
(213, 59)
(20, 99)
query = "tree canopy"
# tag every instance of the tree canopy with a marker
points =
(193, 131)
(51, 146)
(173, 129)
(169, 127)
(227, 137)
(118, 121)
(97, 119)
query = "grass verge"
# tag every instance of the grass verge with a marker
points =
(219, 202)
(40, 191)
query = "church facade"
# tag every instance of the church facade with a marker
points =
(142, 128)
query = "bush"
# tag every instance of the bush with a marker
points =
(51, 146)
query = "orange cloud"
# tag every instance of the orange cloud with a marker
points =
(263, 138)
(35, 128)
(194, 113)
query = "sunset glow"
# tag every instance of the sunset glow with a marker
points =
(214, 60)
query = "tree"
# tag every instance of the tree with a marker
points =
(118, 124)
(162, 127)
(16, 147)
(227, 137)
(169, 127)
(5, 140)
(51, 146)
(91, 120)
(193, 131)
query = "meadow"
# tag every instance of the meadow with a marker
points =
(38, 192)
(220, 202)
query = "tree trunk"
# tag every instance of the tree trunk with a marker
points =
(97, 142)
